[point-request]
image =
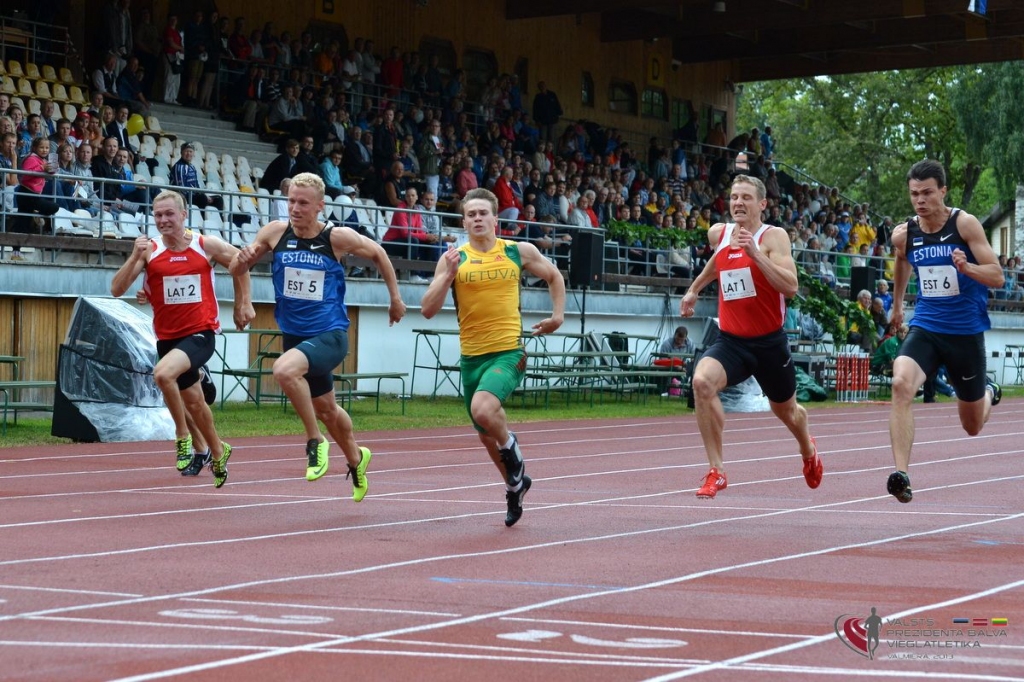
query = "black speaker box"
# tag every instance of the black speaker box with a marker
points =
(862, 278)
(586, 260)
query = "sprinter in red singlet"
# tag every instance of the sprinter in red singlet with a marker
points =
(754, 268)
(179, 284)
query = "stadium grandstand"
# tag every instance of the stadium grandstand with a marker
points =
(607, 131)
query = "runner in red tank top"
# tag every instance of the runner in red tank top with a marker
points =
(754, 268)
(179, 284)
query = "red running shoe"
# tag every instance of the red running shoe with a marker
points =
(713, 482)
(813, 468)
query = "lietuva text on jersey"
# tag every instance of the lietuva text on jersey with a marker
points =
(488, 275)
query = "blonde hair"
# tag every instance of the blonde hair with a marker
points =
(480, 193)
(171, 195)
(758, 185)
(311, 180)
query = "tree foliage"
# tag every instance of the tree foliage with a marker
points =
(861, 132)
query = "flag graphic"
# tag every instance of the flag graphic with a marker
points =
(999, 622)
(961, 621)
(979, 622)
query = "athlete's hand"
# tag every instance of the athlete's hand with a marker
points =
(745, 240)
(687, 305)
(141, 297)
(451, 261)
(247, 255)
(244, 314)
(960, 261)
(141, 246)
(548, 325)
(396, 311)
(896, 316)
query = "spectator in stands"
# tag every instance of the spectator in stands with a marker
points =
(104, 78)
(406, 237)
(862, 232)
(287, 114)
(307, 150)
(465, 179)
(29, 191)
(134, 199)
(46, 119)
(8, 161)
(216, 51)
(118, 128)
(330, 171)
(286, 165)
(394, 186)
(196, 41)
(370, 69)
(509, 205)
(385, 143)
(432, 222)
(843, 226)
(431, 151)
(579, 217)
(173, 56)
(116, 37)
(33, 130)
(546, 111)
(62, 136)
(249, 94)
(359, 154)
(82, 170)
(5, 103)
(129, 87)
(238, 43)
(882, 292)
(94, 134)
(148, 48)
(408, 157)
(185, 176)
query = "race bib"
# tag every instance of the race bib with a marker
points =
(182, 289)
(938, 281)
(736, 284)
(307, 285)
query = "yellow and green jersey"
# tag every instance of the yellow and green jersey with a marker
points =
(486, 293)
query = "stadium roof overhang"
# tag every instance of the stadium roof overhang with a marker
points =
(770, 39)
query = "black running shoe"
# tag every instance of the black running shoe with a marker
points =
(512, 458)
(515, 502)
(199, 460)
(898, 486)
(997, 392)
(206, 383)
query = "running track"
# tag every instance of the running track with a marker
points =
(113, 567)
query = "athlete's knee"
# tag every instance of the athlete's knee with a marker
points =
(704, 387)
(164, 376)
(904, 387)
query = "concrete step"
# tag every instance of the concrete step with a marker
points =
(218, 136)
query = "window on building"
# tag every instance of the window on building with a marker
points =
(682, 111)
(652, 104)
(622, 97)
(587, 89)
(480, 67)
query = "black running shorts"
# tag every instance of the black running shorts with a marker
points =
(962, 354)
(766, 358)
(199, 349)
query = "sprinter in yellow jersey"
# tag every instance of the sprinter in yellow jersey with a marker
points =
(484, 276)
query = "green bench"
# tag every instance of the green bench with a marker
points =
(12, 402)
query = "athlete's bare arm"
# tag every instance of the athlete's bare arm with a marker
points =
(987, 270)
(706, 276)
(901, 274)
(774, 258)
(536, 263)
(223, 254)
(346, 240)
(132, 267)
(264, 242)
(444, 274)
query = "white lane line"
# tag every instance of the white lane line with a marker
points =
(655, 628)
(400, 612)
(593, 595)
(34, 588)
(821, 671)
(127, 645)
(190, 625)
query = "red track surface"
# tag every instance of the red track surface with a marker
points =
(115, 567)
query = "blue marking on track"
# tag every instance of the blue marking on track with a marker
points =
(529, 583)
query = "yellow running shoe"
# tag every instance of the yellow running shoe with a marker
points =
(316, 458)
(184, 448)
(358, 473)
(219, 467)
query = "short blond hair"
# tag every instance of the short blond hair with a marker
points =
(311, 180)
(480, 193)
(758, 185)
(171, 195)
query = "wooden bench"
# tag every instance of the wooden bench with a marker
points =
(647, 280)
(11, 391)
(575, 381)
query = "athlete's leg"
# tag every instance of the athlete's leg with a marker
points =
(339, 425)
(165, 374)
(794, 416)
(907, 377)
(289, 371)
(708, 379)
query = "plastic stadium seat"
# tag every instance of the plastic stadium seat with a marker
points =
(49, 74)
(130, 225)
(70, 112)
(75, 95)
(8, 86)
(59, 93)
(43, 90)
(108, 226)
(20, 103)
(62, 224)
(32, 71)
(14, 68)
(34, 107)
(66, 77)
(3, 69)
(153, 125)
(25, 87)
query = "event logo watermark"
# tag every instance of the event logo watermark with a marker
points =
(914, 638)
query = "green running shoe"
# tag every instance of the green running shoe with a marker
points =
(184, 448)
(358, 473)
(219, 467)
(316, 458)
